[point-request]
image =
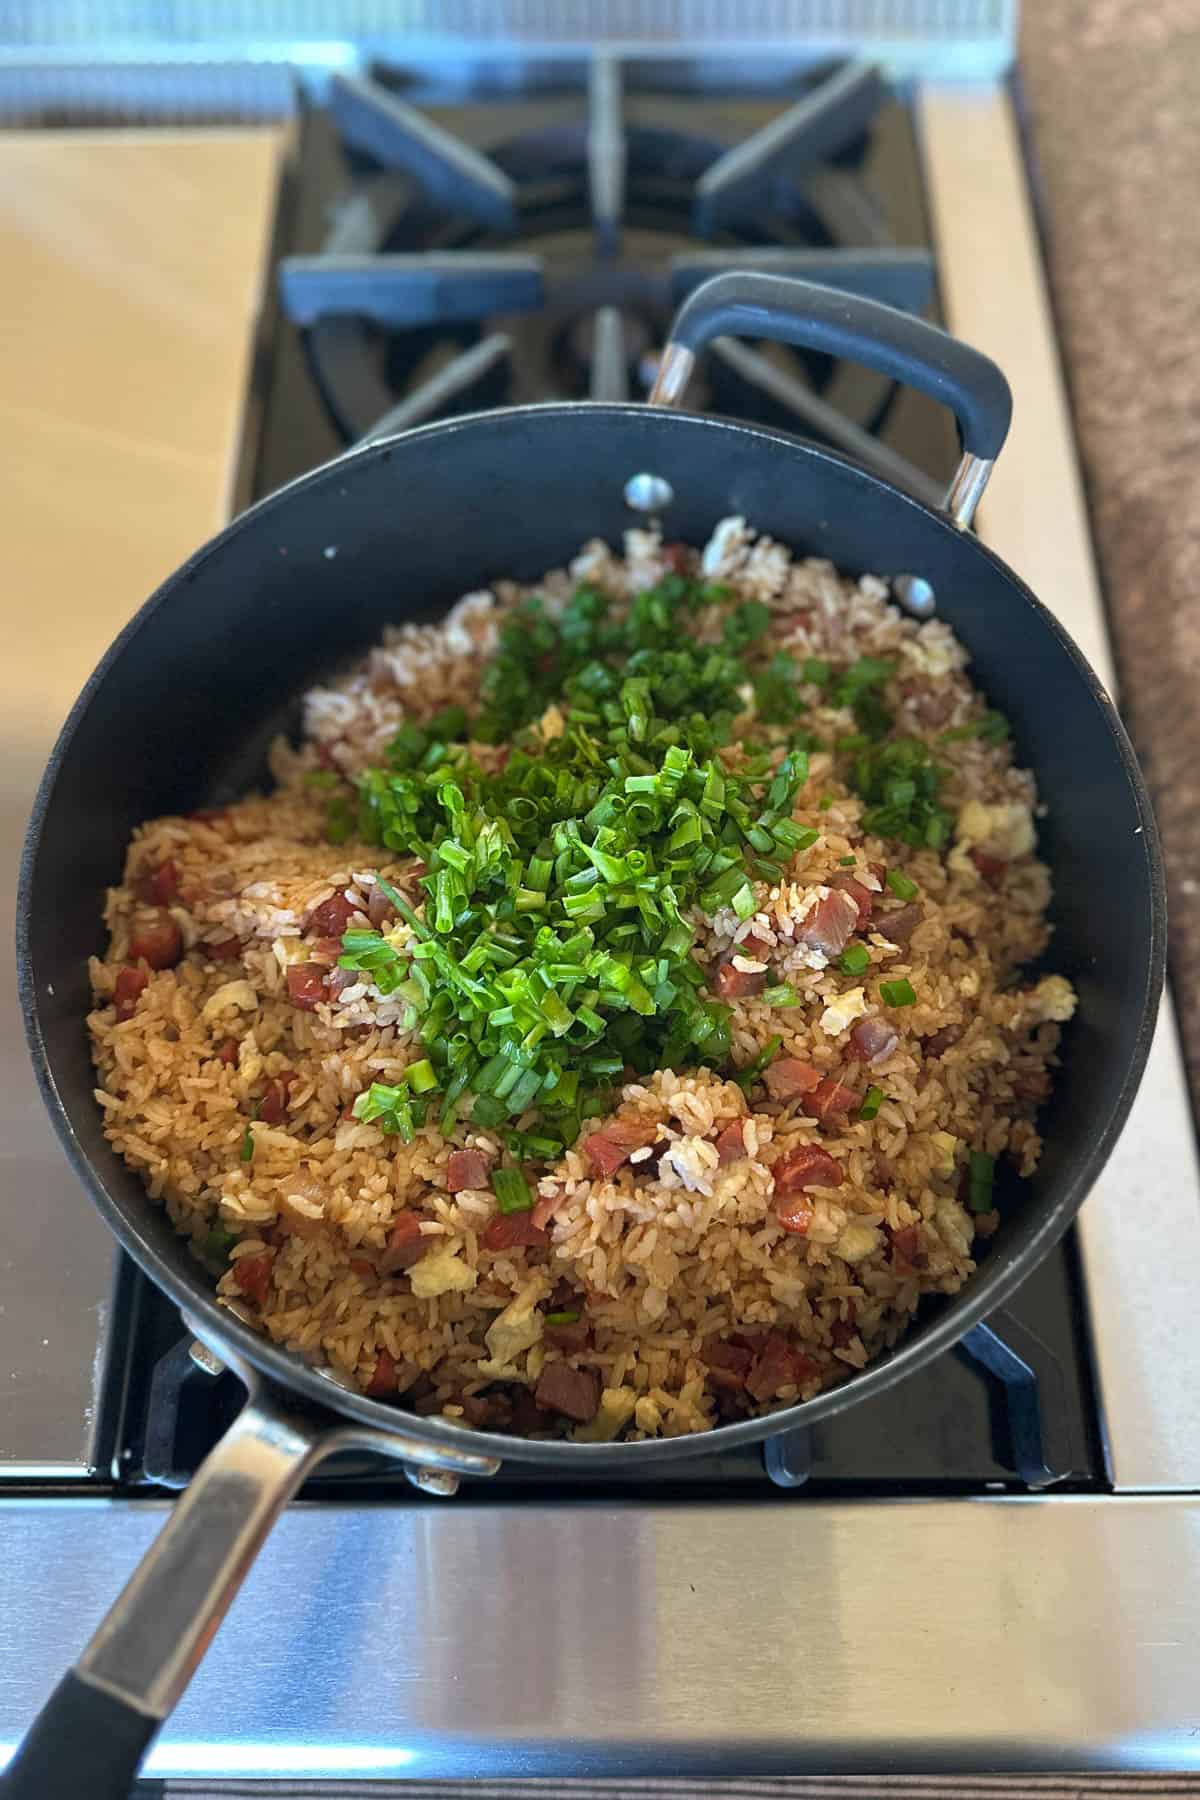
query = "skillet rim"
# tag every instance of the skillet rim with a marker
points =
(984, 1294)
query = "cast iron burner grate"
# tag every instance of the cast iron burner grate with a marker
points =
(549, 267)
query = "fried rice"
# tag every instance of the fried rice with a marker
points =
(674, 1278)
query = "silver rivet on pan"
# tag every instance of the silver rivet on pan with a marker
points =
(915, 595)
(648, 493)
(432, 1481)
(204, 1359)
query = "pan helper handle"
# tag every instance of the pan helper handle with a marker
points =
(843, 325)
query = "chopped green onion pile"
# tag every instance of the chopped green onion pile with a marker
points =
(554, 945)
(551, 949)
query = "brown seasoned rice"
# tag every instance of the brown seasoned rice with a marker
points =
(675, 1250)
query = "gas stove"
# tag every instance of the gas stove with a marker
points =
(523, 234)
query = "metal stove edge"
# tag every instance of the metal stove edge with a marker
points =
(592, 1639)
(455, 39)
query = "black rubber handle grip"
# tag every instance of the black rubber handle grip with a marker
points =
(83, 1742)
(896, 344)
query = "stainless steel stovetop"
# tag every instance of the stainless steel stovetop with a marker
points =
(998, 1565)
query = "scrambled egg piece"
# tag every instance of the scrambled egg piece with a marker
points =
(687, 1414)
(946, 1145)
(441, 1272)
(400, 935)
(1055, 998)
(551, 725)
(517, 1329)
(857, 1241)
(954, 1226)
(1004, 830)
(612, 1415)
(842, 1011)
(238, 994)
(933, 650)
(289, 950)
(250, 1060)
(647, 1415)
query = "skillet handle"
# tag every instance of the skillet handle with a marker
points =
(98, 1724)
(91, 1735)
(845, 325)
